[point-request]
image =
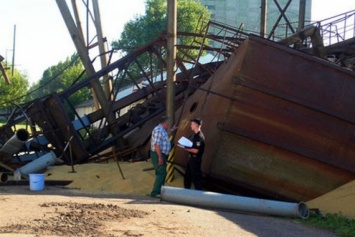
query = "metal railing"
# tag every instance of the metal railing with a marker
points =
(337, 28)
(332, 30)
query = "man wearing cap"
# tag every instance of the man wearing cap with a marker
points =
(159, 151)
(193, 173)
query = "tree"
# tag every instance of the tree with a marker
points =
(15, 92)
(59, 78)
(144, 29)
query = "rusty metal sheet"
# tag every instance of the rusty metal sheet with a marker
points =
(292, 112)
(283, 174)
(293, 127)
(298, 77)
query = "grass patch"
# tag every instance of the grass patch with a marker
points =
(337, 223)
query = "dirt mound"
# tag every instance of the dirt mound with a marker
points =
(71, 219)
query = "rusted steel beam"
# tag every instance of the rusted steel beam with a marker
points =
(149, 90)
(51, 117)
(299, 36)
(282, 15)
(134, 97)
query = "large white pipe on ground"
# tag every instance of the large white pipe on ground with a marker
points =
(235, 203)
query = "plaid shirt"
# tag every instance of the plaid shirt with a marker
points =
(161, 138)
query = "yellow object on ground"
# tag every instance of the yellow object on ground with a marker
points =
(106, 177)
(339, 201)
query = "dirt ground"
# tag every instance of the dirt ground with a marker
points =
(102, 201)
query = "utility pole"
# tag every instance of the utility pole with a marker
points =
(263, 18)
(171, 59)
(13, 51)
(301, 15)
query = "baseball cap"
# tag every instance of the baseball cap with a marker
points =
(197, 121)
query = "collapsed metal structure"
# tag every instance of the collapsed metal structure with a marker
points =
(278, 116)
(92, 133)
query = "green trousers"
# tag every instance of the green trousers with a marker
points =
(160, 173)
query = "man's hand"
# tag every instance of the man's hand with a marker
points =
(160, 161)
(174, 128)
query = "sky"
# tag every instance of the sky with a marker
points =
(42, 39)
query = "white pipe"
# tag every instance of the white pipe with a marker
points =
(231, 202)
(39, 164)
(14, 144)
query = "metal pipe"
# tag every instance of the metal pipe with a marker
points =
(171, 60)
(236, 203)
(39, 164)
(3, 178)
(14, 144)
(263, 18)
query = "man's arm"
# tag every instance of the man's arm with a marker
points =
(192, 150)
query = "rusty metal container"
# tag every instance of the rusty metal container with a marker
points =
(278, 123)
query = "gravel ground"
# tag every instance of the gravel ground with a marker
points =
(60, 211)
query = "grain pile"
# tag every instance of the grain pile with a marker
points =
(136, 177)
(338, 201)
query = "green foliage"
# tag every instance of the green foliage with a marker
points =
(15, 92)
(144, 29)
(60, 77)
(189, 15)
(339, 224)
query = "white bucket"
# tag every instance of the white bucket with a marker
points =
(36, 182)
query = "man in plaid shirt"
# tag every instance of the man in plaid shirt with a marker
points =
(159, 151)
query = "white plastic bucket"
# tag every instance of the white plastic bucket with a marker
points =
(36, 182)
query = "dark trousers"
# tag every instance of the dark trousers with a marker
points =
(193, 173)
(160, 173)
